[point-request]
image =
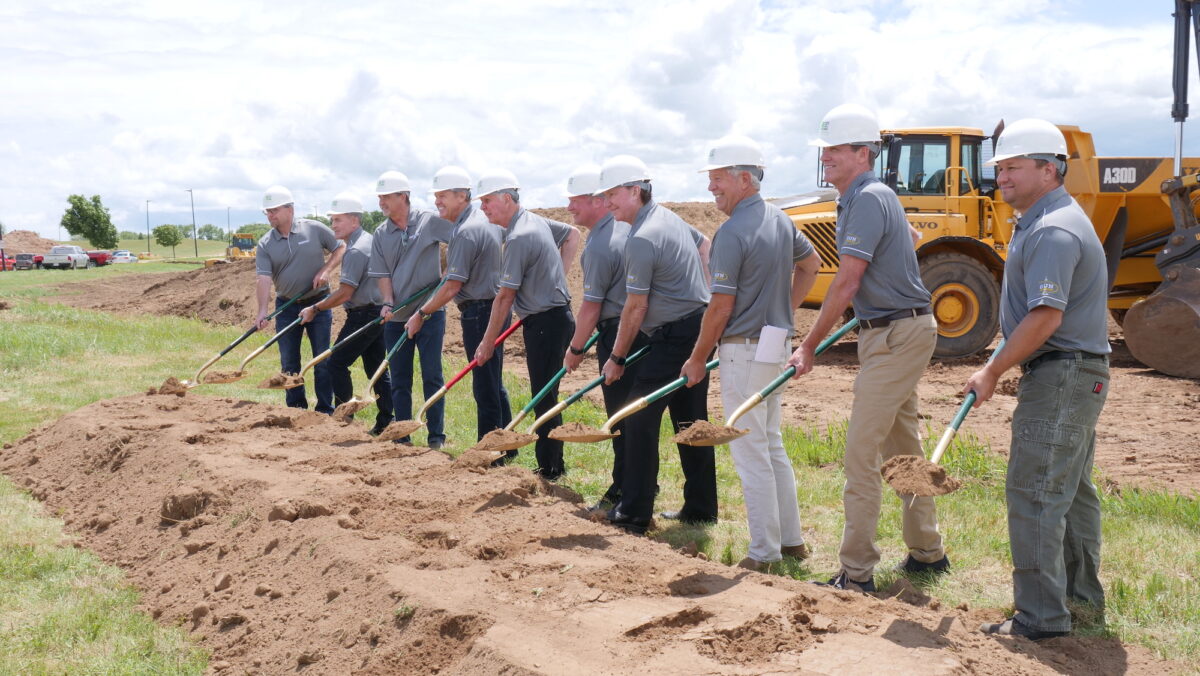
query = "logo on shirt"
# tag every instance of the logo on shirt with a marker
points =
(719, 276)
(1048, 288)
(631, 279)
(852, 239)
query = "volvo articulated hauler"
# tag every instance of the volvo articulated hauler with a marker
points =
(965, 227)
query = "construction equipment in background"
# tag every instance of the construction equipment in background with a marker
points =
(240, 246)
(966, 226)
(1163, 330)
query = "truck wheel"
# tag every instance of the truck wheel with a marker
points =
(91, 264)
(965, 301)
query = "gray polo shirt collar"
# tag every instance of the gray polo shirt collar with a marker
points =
(641, 215)
(354, 236)
(1047, 202)
(516, 217)
(856, 187)
(746, 203)
(466, 213)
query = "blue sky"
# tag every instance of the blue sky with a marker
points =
(139, 101)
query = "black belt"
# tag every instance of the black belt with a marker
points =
(606, 324)
(895, 316)
(1055, 355)
(304, 302)
(472, 303)
(365, 308)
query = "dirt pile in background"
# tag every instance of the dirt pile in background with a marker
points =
(26, 241)
(285, 542)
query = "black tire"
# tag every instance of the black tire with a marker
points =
(90, 264)
(966, 303)
(1118, 316)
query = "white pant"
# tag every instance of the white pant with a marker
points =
(768, 483)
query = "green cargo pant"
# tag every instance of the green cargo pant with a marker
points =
(1053, 508)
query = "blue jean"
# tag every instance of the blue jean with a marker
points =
(318, 331)
(492, 410)
(1053, 507)
(428, 342)
(369, 346)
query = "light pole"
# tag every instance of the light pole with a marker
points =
(195, 246)
(147, 226)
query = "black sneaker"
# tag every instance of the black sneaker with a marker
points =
(915, 567)
(681, 517)
(633, 524)
(1013, 627)
(503, 460)
(436, 444)
(379, 428)
(842, 581)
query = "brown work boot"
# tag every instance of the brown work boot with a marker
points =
(754, 565)
(799, 552)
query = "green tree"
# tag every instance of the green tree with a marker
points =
(168, 235)
(185, 231)
(211, 232)
(129, 234)
(320, 219)
(256, 229)
(90, 220)
(372, 220)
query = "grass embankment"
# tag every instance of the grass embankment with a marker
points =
(55, 359)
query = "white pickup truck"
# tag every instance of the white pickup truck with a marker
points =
(67, 256)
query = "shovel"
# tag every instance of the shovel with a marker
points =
(403, 428)
(346, 410)
(913, 474)
(249, 332)
(507, 440)
(292, 381)
(593, 384)
(584, 434)
(703, 433)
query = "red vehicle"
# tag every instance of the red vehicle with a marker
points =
(100, 257)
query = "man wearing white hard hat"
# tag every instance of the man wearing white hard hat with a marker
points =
(603, 262)
(878, 273)
(533, 283)
(405, 258)
(1054, 317)
(291, 257)
(762, 268)
(472, 277)
(360, 297)
(667, 291)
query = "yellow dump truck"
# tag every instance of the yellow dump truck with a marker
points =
(240, 246)
(952, 201)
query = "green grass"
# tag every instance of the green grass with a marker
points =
(54, 359)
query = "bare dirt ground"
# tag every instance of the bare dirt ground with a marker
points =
(26, 241)
(1148, 433)
(286, 542)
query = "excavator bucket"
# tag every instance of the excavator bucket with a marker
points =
(1163, 331)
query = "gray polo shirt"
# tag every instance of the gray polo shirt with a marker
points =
(1055, 258)
(293, 261)
(871, 226)
(409, 257)
(532, 264)
(354, 271)
(662, 263)
(474, 256)
(603, 261)
(753, 255)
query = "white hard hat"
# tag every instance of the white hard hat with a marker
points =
(345, 203)
(585, 180)
(621, 170)
(1030, 136)
(847, 123)
(390, 182)
(734, 151)
(451, 178)
(495, 181)
(277, 196)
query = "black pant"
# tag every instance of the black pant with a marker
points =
(615, 398)
(671, 345)
(492, 410)
(369, 346)
(546, 337)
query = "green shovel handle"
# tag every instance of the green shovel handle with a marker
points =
(537, 398)
(676, 384)
(599, 380)
(825, 345)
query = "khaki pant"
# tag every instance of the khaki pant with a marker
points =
(768, 481)
(883, 424)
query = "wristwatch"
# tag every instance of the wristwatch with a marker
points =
(577, 353)
(619, 361)
(424, 315)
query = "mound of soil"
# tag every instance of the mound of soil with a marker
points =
(503, 440)
(308, 547)
(26, 241)
(914, 475)
(704, 433)
(579, 432)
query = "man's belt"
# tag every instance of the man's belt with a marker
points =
(610, 323)
(466, 304)
(304, 302)
(1055, 355)
(895, 316)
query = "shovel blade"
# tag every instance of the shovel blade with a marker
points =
(503, 440)
(223, 377)
(399, 429)
(580, 433)
(914, 475)
(704, 433)
(346, 410)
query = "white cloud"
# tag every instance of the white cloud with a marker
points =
(137, 101)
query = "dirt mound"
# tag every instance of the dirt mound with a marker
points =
(314, 548)
(704, 433)
(26, 241)
(914, 475)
